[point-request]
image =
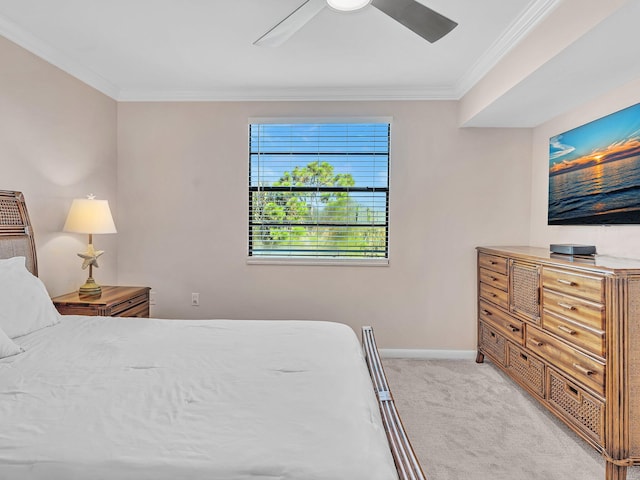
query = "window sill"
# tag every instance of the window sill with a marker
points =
(334, 262)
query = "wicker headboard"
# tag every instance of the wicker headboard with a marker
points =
(16, 234)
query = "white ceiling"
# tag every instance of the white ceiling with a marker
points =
(608, 56)
(202, 50)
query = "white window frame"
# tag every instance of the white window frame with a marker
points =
(314, 261)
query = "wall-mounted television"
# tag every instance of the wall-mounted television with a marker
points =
(594, 172)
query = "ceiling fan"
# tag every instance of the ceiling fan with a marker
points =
(418, 18)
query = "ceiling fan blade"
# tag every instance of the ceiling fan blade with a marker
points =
(281, 32)
(427, 23)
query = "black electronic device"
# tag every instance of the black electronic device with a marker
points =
(572, 249)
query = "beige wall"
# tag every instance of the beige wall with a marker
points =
(621, 241)
(182, 189)
(57, 142)
(176, 177)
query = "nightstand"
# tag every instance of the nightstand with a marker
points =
(114, 302)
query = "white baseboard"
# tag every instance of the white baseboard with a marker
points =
(428, 354)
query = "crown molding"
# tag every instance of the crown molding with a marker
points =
(535, 12)
(42, 49)
(519, 29)
(288, 94)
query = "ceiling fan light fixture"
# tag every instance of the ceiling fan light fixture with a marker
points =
(348, 5)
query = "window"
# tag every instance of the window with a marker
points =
(319, 190)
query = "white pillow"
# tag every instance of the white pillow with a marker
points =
(7, 347)
(25, 305)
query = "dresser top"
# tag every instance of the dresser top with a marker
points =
(601, 263)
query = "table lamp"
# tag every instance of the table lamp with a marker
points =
(88, 215)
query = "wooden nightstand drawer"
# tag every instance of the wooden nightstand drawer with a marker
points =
(140, 310)
(114, 302)
(124, 309)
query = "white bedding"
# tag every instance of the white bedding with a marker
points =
(123, 398)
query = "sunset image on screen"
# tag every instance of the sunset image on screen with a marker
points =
(594, 172)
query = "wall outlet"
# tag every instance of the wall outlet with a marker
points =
(195, 299)
(152, 297)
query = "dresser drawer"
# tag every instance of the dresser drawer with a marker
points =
(502, 322)
(526, 369)
(493, 262)
(492, 343)
(494, 279)
(129, 307)
(582, 311)
(577, 406)
(576, 364)
(494, 295)
(572, 283)
(576, 333)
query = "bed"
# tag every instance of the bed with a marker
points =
(126, 398)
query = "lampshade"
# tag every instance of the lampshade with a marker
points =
(348, 5)
(88, 215)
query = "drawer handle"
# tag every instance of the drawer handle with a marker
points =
(494, 279)
(573, 392)
(492, 262)
(486, 312)
(536, 342)
(566, 282)
(582, 369)
(566, 306)
(564, 329)
(493, 295)
(512, 328)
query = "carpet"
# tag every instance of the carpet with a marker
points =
(469, 421)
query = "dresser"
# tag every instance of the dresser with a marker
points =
(115, 301)
(567, 330)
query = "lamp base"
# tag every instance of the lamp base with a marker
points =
(90, 289)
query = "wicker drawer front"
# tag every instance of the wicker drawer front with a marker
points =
(524, 291)
(582, 311)
(526, 369)
(121, 309)
(494, 295)
(493, 262)
(492, 343)
(578, 407)
(501, 322)
(494, 279)
(590, 339)
(572, 283)
(575, 363)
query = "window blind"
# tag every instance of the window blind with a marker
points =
(319, 190)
